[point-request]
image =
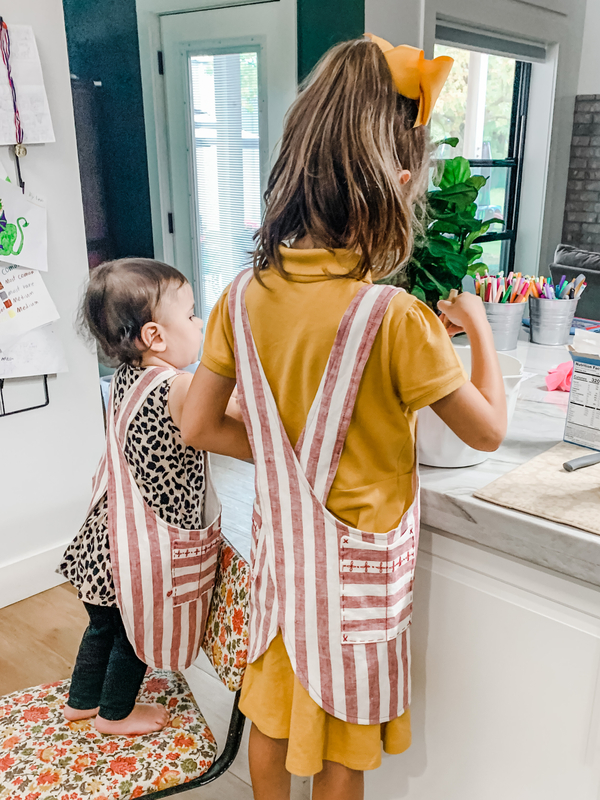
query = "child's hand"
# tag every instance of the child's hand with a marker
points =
(462, 312)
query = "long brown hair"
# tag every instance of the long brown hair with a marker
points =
(345, 139)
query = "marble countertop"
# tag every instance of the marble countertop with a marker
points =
(448, 505)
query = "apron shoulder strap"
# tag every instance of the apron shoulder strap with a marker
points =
(135, 397)
(320, 446)
(120, 420)
(319, 449)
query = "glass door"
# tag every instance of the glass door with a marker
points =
(230, 75)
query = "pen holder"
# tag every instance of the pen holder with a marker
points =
(505, 322)
(550, 320)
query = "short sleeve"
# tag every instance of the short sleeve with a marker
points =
(425, 366)
(218, 354)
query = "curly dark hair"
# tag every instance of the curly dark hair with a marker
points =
(121, 297)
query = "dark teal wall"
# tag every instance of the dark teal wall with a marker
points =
(323, 23)
(103, 46)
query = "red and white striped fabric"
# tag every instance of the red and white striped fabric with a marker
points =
(163, 574)
(341, 597)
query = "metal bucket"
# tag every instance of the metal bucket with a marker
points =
(550, 320)
(505, 322)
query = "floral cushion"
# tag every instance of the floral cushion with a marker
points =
(226, 636)
(44, 757)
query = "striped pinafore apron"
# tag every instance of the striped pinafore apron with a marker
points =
(163, 574)
(341, 597)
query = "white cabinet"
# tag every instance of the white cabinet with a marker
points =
(506, 682)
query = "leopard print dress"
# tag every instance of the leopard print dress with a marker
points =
(170, 477)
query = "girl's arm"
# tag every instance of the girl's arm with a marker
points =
(205, 423)
(477, 411)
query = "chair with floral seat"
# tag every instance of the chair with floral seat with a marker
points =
(44, 757)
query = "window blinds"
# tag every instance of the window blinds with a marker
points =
(457, 34)
(227, 165)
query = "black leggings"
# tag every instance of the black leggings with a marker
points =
(107, 672)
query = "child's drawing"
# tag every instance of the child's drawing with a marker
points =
(23, 236)
(8, 234)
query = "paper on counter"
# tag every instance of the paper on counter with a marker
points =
(23, 228)
(39, 352)
(32, 101)
(24, 303)
(543, 488)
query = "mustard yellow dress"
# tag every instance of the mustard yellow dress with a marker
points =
(412, 364)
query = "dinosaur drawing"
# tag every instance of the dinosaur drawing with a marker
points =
(8, 235)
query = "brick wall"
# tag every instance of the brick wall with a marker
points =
(581, 226)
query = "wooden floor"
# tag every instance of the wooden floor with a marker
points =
(39, 639)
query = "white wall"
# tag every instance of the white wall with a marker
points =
(589, 72)
(48, 456)
(555, 23)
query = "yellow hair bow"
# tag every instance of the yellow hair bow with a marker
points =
(415, 76)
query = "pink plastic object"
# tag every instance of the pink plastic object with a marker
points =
(559, 379)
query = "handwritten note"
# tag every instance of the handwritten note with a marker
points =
(38, 352)
(24, 303)
(32, 101)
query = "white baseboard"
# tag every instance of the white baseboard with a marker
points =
(30, 575)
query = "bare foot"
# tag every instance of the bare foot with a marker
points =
(145, 718)
(75, 714)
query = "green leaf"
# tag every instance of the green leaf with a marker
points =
(445, 226)
(451, 140)
(458, 265)
(479, 231)
(461, 195)
(474, 249)
(419, 293)
(478, 267)
(477, 181)
(456, 170)
(441, 247)
(470, 224)
(440, 287)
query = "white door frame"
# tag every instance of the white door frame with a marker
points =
(155, 118)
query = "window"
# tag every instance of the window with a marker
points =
(227, 165)
(484, 104)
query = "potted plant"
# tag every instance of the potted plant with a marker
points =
(447, 250)
(443, 255)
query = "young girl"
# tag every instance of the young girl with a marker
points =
(331, 371)
(141, 313)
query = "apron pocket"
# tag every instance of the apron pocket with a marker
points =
(193, 567)
(376, 584)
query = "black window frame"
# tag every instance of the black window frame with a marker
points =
(513, 162)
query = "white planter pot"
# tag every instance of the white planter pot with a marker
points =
(438, 446)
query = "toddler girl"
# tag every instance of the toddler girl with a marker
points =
(141, 312)
(331, 371)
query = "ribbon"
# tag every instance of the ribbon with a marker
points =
(415, 76)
